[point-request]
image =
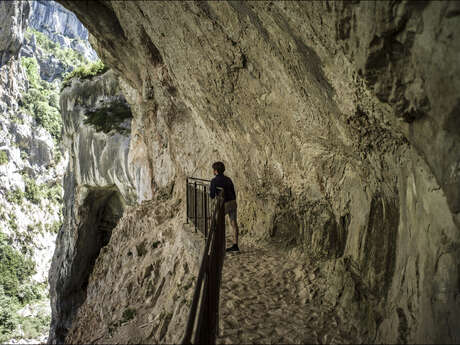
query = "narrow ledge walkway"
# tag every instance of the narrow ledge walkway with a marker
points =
(270, 299)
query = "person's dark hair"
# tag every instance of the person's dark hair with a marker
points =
(219, 166)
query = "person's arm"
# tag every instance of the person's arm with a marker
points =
(212, 189)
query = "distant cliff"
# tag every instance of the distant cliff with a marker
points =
(61, 26)
(34, 56)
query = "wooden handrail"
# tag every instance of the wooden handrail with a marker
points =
(208, 283)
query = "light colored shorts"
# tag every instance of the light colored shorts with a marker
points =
(230, 209)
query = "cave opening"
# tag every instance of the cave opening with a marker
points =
(99, 214)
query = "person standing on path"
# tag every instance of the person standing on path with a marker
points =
(225, 182)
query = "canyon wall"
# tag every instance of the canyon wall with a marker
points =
(339, 124)
(101, 184)
(61, 26)
(32, 163)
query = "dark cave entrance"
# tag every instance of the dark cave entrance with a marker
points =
(99, 214)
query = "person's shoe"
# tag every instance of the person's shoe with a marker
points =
(233, 248)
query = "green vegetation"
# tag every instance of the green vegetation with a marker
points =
(109, 118)
(57, 156)
(54, 194)
(67, 56)
(15, 326)
(2, 213)
(3, 157)
(41, 99)
(33, 192)
(15, 269)
(24, 155)
(128, 314)
(12, 222)
(16, 290)
(33, 327)
(15, 196)
(30, 65)
(85, 72)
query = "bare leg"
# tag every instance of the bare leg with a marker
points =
(235, 229)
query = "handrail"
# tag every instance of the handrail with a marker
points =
(204, 328)
(198, 179)
(198, 203)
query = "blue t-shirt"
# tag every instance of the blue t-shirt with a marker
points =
(226, 184)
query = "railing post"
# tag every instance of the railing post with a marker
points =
(205, 213)
(187, 199)
(195, 207)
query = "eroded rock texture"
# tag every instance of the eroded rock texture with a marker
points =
(61, 26)
(97, 187)
(339, 123)
(105, 181)
(13, 15)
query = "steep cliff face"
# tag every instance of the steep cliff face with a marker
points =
(323, 113)
(31, 162)
(62, 26)
(101, 184)
(97, 186)
(57, 40)
(14, 17)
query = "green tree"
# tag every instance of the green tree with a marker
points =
(30, 65)
(15, 269)
(3, 157)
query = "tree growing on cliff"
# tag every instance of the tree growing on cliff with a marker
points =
(85, 72)
(40, 100)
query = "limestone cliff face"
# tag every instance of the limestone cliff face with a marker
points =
(96, 194)
(14, 17)
(30, 174)
(63, 30)
(32, 163)
(62, 26)
(339, 123)
(103, 182)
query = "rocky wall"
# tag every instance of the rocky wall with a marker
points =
(14, 16)
(338, 123)
(62, 26)
(97, 186)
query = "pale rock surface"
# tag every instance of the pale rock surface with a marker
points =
(61, 26)
(13, 16)
(98, 185)
(105, 180)
(339, 124)
(30, 151)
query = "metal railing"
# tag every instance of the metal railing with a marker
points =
(198, 204)
(203, 319)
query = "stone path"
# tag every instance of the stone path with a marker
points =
(268, 298)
